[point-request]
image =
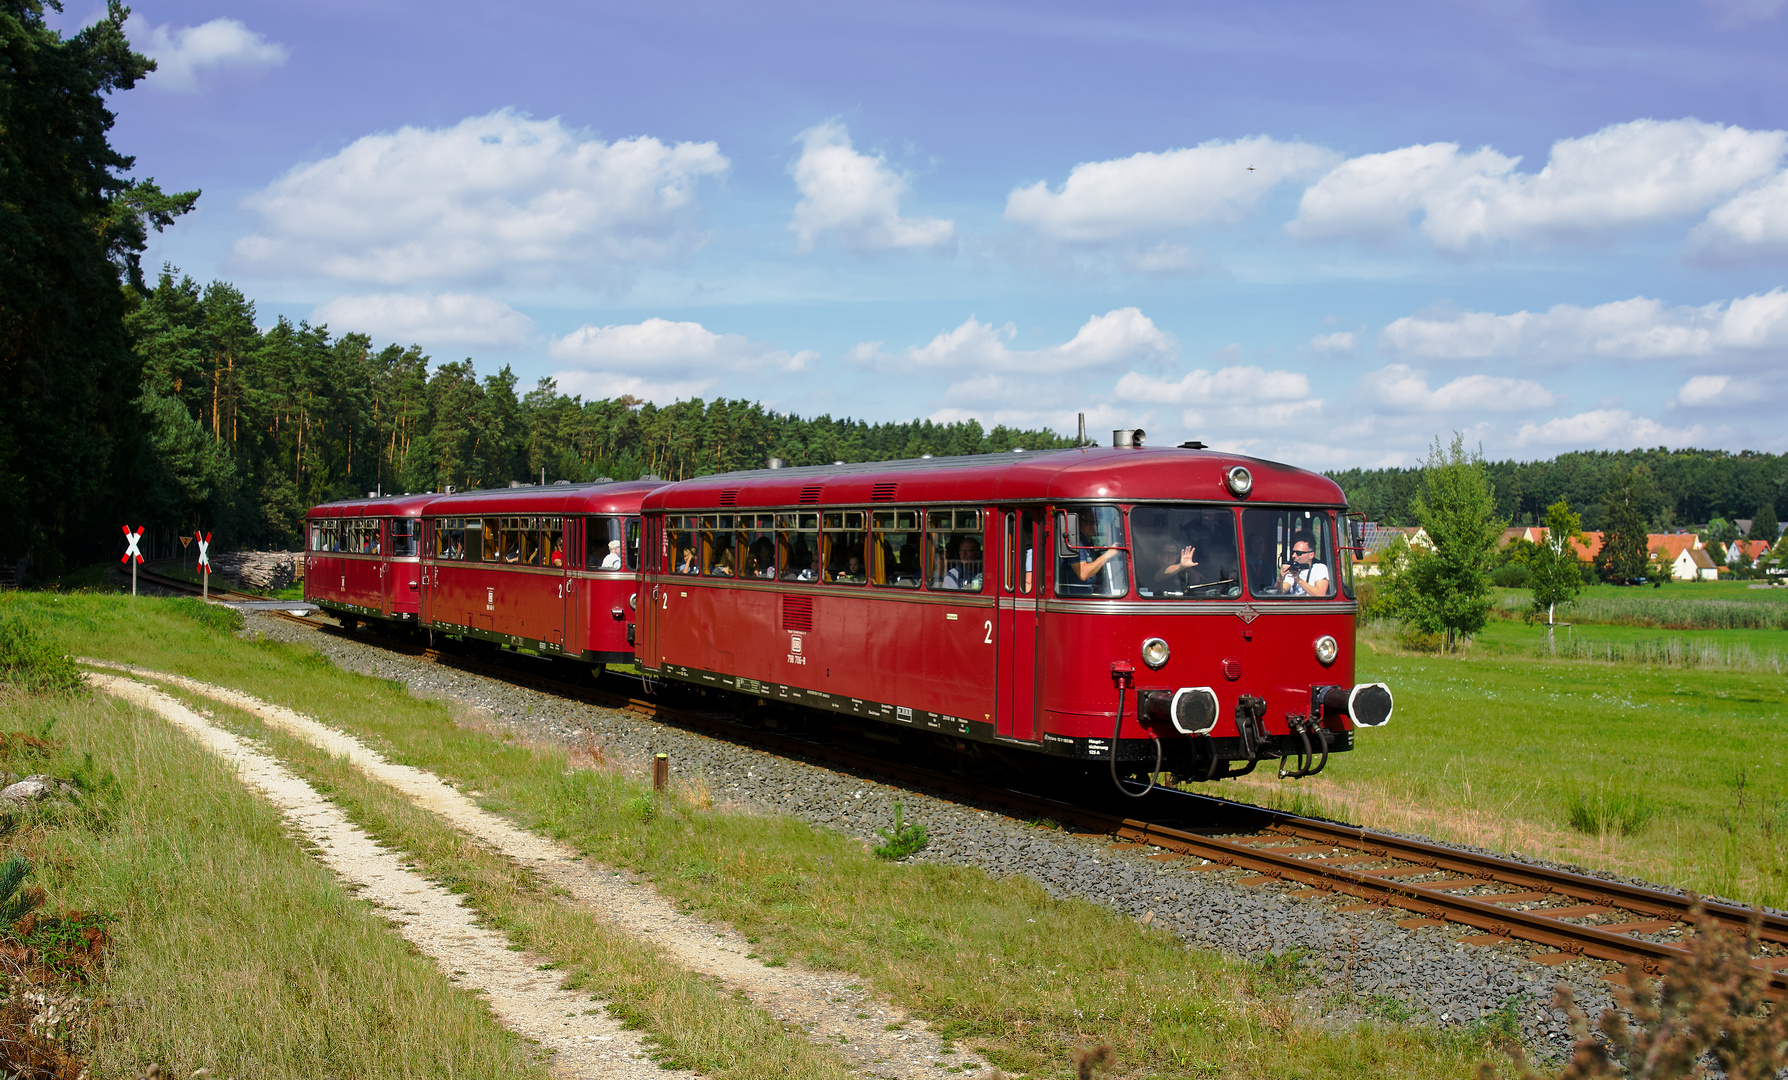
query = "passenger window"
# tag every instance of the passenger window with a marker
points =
(717, 546)
(552, 547)
(797, 546)
(403, 537)
(894, 553)
(955, 555)
(757, 546)
(1091, 559)
(845, 540)
(680, 541)
(490, 546)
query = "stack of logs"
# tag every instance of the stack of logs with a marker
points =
(270, 570)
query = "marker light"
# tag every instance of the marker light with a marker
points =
(1239, 481)
(1154, 652)
(1327, 650)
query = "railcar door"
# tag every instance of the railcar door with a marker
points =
(1019, 622)
(573, 588)
(653, 600)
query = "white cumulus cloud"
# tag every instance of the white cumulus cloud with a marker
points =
(1339, 343)
(1147, 192)
(1636, 329)
(855, 197)
(428, 318)
(1399, 387)
(1750, 227)
(1224, 388)
(491, 196)
(1625, 176)
(1604, 429)
(1122, 336)
(182, 53)
(664, 360)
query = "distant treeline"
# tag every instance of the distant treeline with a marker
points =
(1676, 488)
(249, 428)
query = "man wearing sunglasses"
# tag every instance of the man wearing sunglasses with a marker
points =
(1304, 576)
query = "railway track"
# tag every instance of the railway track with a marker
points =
(1571, 916)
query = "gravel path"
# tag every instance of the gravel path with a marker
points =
(1360, 963)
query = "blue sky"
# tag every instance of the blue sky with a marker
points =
(1324, 233)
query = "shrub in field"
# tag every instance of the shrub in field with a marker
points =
(1708, 1004)
(1512, 575)
(30, 662)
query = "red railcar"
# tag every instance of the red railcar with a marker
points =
(553, 569)
(360, 558)
(1195, 606)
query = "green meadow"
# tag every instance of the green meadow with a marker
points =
(1659, 753)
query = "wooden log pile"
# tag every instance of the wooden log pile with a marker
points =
(271, 570)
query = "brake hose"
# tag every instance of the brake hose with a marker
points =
(1117, 727)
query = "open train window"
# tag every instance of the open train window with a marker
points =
(602, 543)
(798, 546)
(845, 541)
(450, 539)
(680, 540)
(757, 546)
(1185, 553)
(1091, 555)
(1289, 552)
(954, 539)
(718, 544)
(894, 548)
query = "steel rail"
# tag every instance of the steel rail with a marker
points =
(1497, 921)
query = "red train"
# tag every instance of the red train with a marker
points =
(552, 569)
(1155, 609)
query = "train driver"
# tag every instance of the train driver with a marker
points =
(1083, 564)
(612, 561)
(1303, 575)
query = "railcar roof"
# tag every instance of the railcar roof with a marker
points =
(1090, 473)
(621, 497)
(384, 506)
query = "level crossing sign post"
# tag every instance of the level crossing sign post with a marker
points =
(132, 555)
(204, 540)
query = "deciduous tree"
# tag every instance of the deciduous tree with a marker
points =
(1446, 591)
(1556, 575)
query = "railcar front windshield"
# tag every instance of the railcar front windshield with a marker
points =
(1185, 553)
(1289, 553)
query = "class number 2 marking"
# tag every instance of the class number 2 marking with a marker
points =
(988, 640)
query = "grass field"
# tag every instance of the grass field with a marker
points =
(981, 958)
(1678, 775)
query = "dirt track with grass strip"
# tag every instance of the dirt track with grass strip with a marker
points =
(829, 1010)
(585, 1042)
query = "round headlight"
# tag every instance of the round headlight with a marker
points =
(1327, 649)
(1154, 652)
(1239, 481)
